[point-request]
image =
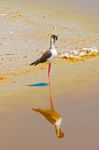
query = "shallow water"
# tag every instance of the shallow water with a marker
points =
(75, 95)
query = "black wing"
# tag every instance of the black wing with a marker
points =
(43, 58)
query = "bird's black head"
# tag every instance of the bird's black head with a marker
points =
(55, 37)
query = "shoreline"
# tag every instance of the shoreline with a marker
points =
(62, 68)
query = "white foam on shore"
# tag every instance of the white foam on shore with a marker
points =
(80, 55)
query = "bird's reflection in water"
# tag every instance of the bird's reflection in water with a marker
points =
(52, 116)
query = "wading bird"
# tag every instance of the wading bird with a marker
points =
(48, 55)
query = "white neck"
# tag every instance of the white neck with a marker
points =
(52, 44)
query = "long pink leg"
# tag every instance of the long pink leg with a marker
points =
(49, 70)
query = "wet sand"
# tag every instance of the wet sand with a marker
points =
(24, 36)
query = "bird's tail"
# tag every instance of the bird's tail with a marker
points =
(35, 62)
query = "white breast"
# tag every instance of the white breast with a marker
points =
(54, 54)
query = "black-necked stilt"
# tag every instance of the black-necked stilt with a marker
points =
(48, 55)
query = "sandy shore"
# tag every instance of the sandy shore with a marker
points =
(24, 36)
